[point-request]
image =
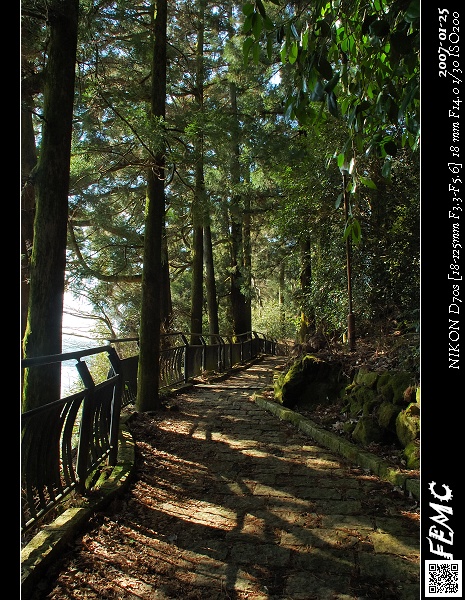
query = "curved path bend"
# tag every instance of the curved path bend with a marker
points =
(229, 502)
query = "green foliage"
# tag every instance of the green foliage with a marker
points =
(347, 95)
(359, 60)
(274, 321)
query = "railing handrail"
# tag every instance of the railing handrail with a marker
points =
(64, 356)
(65, 464)
(189, 334)
(65, 441)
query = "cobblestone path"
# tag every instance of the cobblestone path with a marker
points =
(228, 502)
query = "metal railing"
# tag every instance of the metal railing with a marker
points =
(64, 443)
(180, 361)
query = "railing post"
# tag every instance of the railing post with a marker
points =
(230, 350)
(204, 351)
(264, 343)
(255, 344)
(220, 354)
(85, 428)
(186, 357)
(115, 406)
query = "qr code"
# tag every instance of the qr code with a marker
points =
(443, 578)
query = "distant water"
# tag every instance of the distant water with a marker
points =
(69, 374)
(75, 321)
(71, 343)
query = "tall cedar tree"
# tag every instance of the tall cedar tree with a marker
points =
(198, 205)
(149, 338)
(240, 304)
(51, 181)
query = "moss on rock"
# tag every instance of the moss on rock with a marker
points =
(310, 381)
(408, 424)
(356, 400)
(366, 378)
(367, 431)
(400, 382)
(348, 389)
(371, 405)
(379, 400)
(412, 454)
(383, 380)
(387, 415)
(386, 390)
(349, 426)
(362, 400)
(380, 397)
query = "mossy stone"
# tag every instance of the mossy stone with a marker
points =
(348, 427)
(370, 405)
(408, 424)
(291, 384)
(364, 394)
(354, 406)
(385, 390)
(309, 381)
(367, 431)
(366, 378)
(278, 387)
(350, 388)
(359, 374)
(400, 382)
(387, 415)
(357, 400)
(377, 397)
(383, 379)
(412, 454)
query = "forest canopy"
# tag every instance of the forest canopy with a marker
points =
(282, 135)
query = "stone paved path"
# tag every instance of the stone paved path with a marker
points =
(229, 502)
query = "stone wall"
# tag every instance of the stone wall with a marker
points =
(376, 407)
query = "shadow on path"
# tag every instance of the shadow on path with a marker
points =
(230, 502)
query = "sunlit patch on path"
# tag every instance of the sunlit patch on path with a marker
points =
(229, 503)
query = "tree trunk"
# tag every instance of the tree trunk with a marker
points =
(282, 310)
(48, 259)
(148, 376)
(238, 300)
(307, 315)
(198, 205)
(212, 301)
(247, 270)
(28, 162)
(197, 282)
(166, 310)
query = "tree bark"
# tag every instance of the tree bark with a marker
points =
(198, 205)
(197, 283)
(48, 259)
(148, 376)
(307, 316)
(282, 310)
(28, 162)
(166, 309)
(212, 300)
(247, 270)
(239, 308)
